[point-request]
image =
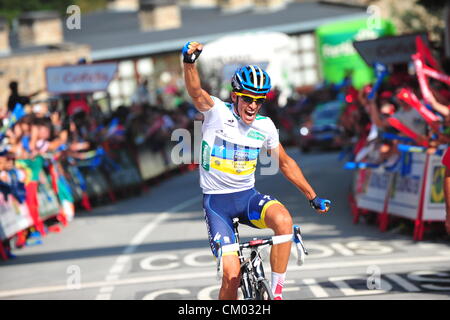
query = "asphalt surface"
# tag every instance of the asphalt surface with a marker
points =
(155, 247)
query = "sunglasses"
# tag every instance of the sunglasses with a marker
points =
(249, 98)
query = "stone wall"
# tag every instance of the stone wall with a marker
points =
(29, 69)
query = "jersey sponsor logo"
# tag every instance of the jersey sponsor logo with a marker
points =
(233, 158)
(230, 122)
(256, 135)
(206, 152)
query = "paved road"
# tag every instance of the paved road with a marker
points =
(154, 247)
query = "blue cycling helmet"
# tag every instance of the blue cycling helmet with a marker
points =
(251, 78)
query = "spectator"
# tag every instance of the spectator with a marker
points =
(142, 94)
(77, 103)
(15, 97)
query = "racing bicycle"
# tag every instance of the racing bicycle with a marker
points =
(254, 285)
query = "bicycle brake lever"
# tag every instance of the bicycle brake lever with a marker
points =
(298, 239)
(301, 250)
(304, 248)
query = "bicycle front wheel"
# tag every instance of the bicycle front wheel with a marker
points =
(263, 290)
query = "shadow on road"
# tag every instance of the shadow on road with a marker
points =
(103, 252)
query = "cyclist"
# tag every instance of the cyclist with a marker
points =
(232, 137)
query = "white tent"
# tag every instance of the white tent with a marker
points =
(270, 50)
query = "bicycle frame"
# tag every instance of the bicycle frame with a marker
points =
(252, 270)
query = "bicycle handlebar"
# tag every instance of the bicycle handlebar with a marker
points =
(296, 237)
(256, 243)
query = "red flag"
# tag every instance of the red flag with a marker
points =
(425, 53)
(410, 98)
(407, 131)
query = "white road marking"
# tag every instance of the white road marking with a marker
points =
(315, 288)
(342, 249)
(137, 240)
(205, 293)
(408, 286)
(341, 283)
(212, 274)
(117, 268)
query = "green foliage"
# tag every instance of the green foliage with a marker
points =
(91, 5)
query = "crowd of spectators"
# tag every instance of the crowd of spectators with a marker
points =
(367, 134)
(33, 132)
(73, 125)
(365, 121)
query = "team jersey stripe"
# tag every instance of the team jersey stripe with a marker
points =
(224, 153)
(233, 167)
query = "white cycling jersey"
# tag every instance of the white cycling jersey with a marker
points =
(230, 148)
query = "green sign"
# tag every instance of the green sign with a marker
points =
(206, 152)
(339, 57)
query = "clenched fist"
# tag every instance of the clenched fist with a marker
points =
(191, 51)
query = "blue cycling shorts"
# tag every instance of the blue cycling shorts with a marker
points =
(249, 206)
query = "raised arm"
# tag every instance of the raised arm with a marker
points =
(201, 99)
(375, 115)
(439, 107)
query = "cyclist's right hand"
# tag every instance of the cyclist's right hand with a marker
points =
(320, 205)
(191, 51)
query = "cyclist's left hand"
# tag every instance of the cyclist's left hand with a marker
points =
(320, 205)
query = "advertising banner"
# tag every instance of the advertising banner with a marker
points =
(389, 50)
(339, 57)
(48, 201)
(80, 78)
(126, 174)
(434, 206)
(14, 216)
(404, 191)
(371, 189)
(404, 199)
(150, 164)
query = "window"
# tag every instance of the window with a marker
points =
(306, 69)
